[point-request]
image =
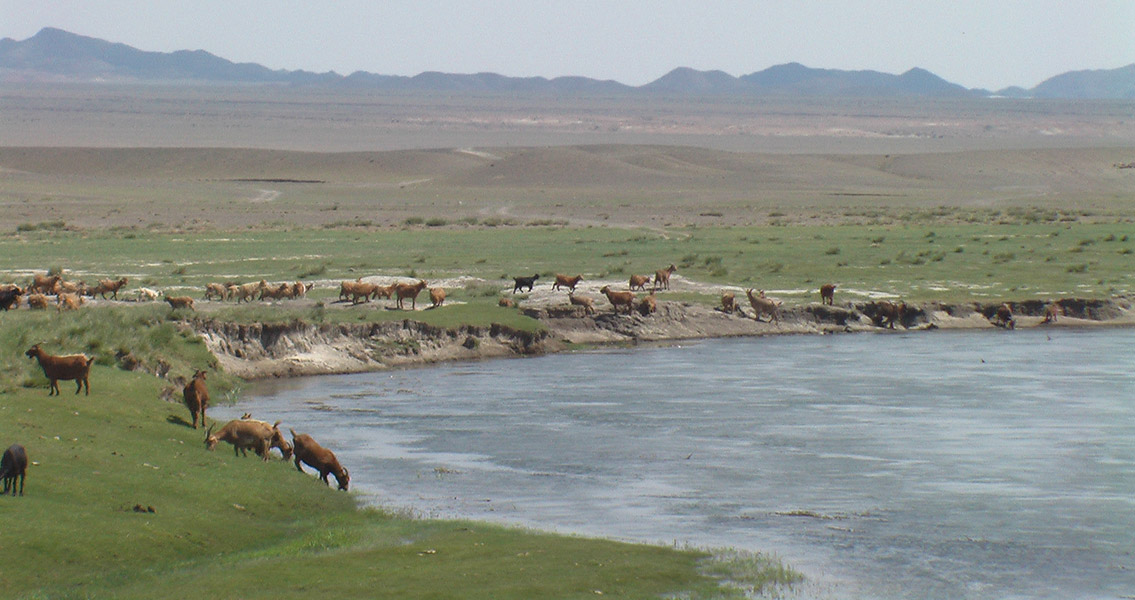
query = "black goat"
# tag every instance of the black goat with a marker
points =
(9, 297)
(524, 282)
(13, 464)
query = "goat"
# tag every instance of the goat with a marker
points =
(887, 312)
(245, 434)
(356, 290)
(214, 289)
(319, 458)
(300, 289)
(44, 284)
(9, 297)
(1004, 317)
(73, 287)
(148, 295)
(177, 302)
(71, 367)
(618, 299)
(277, 442)
(13, 465)
(662, 277)
(409, 290)
(277, 292)
(827, 294)
(196, 395)
(639, 282)
(37, 302)
(506, 303)
(648, 305)
(1051, 312)
(68, 302)
(108, 285)
(729, 303)
(246, 291)
(524, 282)
(565, 281)
(437, 296)
(763, 306)
(586, 302)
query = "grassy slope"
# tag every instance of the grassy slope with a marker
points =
(236, 527)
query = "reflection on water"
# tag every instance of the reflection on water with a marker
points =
(932, 465)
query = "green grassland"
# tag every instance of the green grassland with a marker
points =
(235, 527)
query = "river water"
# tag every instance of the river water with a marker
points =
(915, 465)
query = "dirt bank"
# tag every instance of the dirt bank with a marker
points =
(295, 349)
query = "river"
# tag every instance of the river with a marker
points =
(949, 464)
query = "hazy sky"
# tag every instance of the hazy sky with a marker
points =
(990, 44)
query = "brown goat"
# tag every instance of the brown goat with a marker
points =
(244, 435)
(37, 302)
(763, 306)
(827, 294)
(75, 367)
(586, 302)
(662, 277)
(214, 289)
(409, 290)
(196, 395)
(246, 291)
(887, 312)
(177, 302)
(108, 285)
(1051, 312)
(566, 281)
(506, 303)
(619, 299)
(639, 282)
(648, 305)
(729, 303)
(68, 302)
(277, 442)
(1004, 317)
(319, 458)
(44, 284)
(437, 296)
(73, 287)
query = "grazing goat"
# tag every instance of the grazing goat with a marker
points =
(437, 296)
(565, 281)
(763, 306)
(506, 303)
(71, 367)
(1004, 317)
(524, 282)
(662, 277)
(13, 465)
(246, 434)
(639, 282)
(827, 294)
(619, 299)
(214, 289)
(177, 302)
(586, 302)
(68, 302)
(277, 442)
(37, 302)
(648, 306)
(44, 284)
(10, 297)
(409, 290)
(887, 312)
(196, 395)
(319, 458)
(108, 285)
(729, 303)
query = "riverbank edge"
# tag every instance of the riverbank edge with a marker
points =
(297, 349)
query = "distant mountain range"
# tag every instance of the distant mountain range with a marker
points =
(54, 55)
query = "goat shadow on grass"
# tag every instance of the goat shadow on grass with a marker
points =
(176, 420)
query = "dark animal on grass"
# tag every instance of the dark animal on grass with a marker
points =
(10, 297)
(244, 435)
(71, 367)
(763, 306)
(196, 395)
(638, 282)
(662, 277)
(887, 312)
(409, 290)
(619, 299)
(13, 465)
(319, 458)
(177, 302)
(519, 283)
(108, 285)
(827, 294)
(565, 281)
